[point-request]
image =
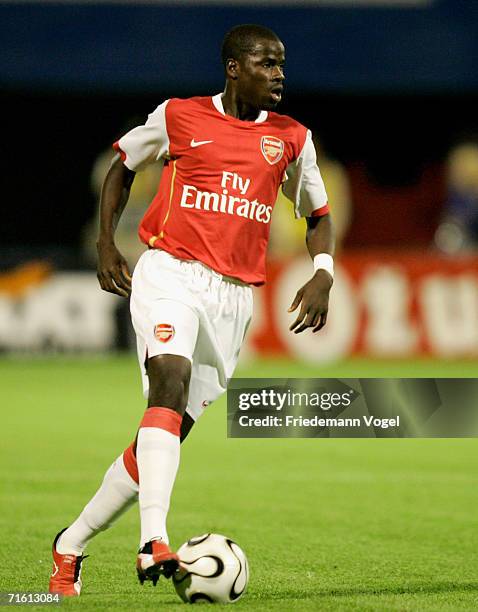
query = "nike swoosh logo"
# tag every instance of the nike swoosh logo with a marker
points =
(198, 143)
(56, 570)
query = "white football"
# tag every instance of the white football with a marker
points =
(212, 569)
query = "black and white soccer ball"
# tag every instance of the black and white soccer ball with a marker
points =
(212, 569)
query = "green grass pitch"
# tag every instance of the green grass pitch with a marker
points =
(326, 524)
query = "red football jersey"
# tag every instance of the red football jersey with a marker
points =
(220, 181)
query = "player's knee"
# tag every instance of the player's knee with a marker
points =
(169, 377)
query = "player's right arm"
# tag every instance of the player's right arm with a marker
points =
(141, 146)
(113, 273)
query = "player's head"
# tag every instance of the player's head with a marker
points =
(253, 58)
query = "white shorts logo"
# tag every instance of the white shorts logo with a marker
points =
(272, 149)
(164, 332)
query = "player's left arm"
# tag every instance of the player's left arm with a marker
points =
(313, 297)
(305, 187)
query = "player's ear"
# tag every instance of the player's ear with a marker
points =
(232, 66)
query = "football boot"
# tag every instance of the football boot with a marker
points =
(65, 578)
(156, 559)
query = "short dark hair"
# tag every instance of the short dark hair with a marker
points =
(242, 39)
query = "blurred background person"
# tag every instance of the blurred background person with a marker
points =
(458, 230)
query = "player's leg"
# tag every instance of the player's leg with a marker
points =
(157, 454)
(157, 449)
(117, 493)
(170, 331)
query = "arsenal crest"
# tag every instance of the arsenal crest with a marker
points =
(164, 332)
(272, 149)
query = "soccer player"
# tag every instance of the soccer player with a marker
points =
(224, 159)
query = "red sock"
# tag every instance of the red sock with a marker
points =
(158, 456)
(164, 418)
(129, 460)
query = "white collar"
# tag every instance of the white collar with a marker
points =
(217, 101)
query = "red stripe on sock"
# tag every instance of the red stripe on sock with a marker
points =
(130, 463)
(319, 212)
(164, 418)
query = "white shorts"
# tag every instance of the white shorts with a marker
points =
(184, 308)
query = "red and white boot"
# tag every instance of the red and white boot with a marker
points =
(65, 578)
(156, 559)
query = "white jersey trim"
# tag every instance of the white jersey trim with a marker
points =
(146, 143)
(217, 101)
(303, 182)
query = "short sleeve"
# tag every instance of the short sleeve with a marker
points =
(146, 143)
(304, 185)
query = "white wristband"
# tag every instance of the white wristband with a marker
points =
(324, 261)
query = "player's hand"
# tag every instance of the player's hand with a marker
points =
(313, 299)
(113, 273)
